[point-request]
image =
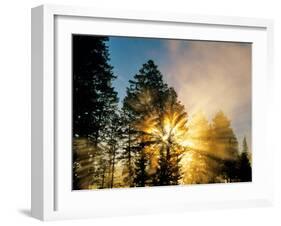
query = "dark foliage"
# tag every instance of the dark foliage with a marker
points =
(94, 104)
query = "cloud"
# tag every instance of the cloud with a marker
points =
(213, 76)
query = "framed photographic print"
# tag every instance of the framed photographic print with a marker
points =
(134, 112)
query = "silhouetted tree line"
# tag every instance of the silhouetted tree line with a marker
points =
(149, 141)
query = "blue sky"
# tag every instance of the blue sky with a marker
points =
(207, 76)
(129, 54)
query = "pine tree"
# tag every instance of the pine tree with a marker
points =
(225, 146)
(94, 98)
(200, 162)
(224, 139)
(146, 91)
(172, 128)
(245, 169)
(144, 95)
(157, 118)
(141, 176)
(129, 146)
(199, 131)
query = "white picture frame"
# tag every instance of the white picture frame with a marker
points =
(52, 197)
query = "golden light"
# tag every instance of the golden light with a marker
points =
(187, 158)
(187, 143)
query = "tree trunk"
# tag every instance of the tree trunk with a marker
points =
(103, 177)
(113, 167)
(130, 159)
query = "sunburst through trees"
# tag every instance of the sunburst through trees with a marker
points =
(149, 139)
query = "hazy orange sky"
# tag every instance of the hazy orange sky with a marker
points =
(213, 76)
(207, 76)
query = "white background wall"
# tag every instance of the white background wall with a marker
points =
(15, 112)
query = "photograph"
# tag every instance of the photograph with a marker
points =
(150, 112)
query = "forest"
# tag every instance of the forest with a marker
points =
(148, 138)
